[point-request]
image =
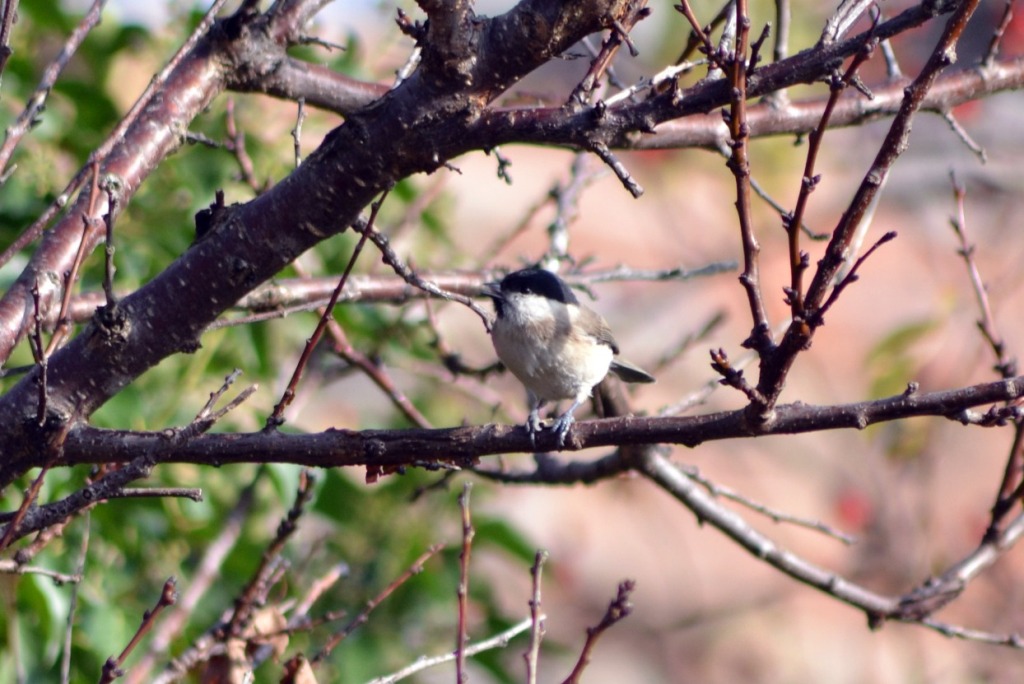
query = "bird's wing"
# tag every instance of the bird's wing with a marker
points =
(591, 321)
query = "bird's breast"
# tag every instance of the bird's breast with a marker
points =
(551, 360)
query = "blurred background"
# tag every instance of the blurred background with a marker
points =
(916, 494)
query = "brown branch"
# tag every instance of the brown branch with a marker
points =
(236, 145)
(632, 12)
(914, 606)
(29, 117)
(775, 516)
(6, 22)
(532, 654)
(619, 609)
(997, 35)
(287, 296)
(112, 667)
(798, 336)
(1004, 365)
(276, 418)
(360, 619)
(735, 65)
(144, 137)
(391, 258)
(462, 446)
(14, 530)
(258, 586)
(461, 677)
(207, 572)
(799, 260)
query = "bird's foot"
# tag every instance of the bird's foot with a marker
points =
(534, 424)
(561, 427)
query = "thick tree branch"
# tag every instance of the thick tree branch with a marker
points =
(462, 446)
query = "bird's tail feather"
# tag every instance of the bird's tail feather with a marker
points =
(630, 373)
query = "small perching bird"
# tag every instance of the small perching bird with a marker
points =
(557, 347)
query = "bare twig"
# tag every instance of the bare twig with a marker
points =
(997, 35)
(112, 667)
(391, 258)
(776, 516)
(965, 137)
(698, 35)
(206, 574)
(258, 584)
(532, 654)
(463, 592)
(13, 530)
(300, 117)
(360, 619)
(850, 278)
(372, 368)
(739, 163)
(29, 117)
(276, 419)
(799, 260)
(619, 608)
(617, 35)
(733, 377)
(65, 660)
(617, 167)
(1005, 365)
(497, 641)
(6, 22)
(13, 567)
(236, 145)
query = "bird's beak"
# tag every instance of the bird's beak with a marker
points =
(492, 289)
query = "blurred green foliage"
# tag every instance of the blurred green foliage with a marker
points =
(134, 545)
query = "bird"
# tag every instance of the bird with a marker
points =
(556, 347)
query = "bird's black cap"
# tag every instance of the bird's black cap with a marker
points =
(539, 282)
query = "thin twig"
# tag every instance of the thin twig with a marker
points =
(10, 14)
(83, 552)
(497, 641)
(617, 167)
(29, 117)
(13, 530)
(850, 277)
(372, 368)
(997, 35)
(71, 277)
(112, 667)
(799, 260)
(108, 250)
(619, 608)
(360, 619)
(236, 144)
(532, 654)
(965, 137)
(390, 257)
(258, 584)
(739, 163)
(116, 136)
(776, 516)
(300, 117)
(276, 419)
(617, 36)
(207, 572)
(463, 591)
(13, 567)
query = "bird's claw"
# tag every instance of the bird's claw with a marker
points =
(534, 424)
(561, 427)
